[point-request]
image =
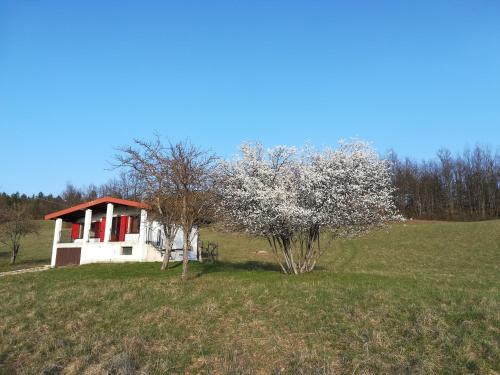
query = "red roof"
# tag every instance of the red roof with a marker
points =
(96, 202)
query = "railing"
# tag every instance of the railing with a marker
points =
(155, 238)
(209, 251)
(66, 235)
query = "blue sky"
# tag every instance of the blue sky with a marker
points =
(79, 79)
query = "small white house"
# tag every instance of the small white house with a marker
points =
(111, 230)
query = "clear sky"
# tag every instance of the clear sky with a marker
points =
(78, 79)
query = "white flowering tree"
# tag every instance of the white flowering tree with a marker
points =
(292, 196)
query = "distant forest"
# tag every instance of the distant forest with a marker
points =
(461, 187)
(42, 204)
(448, 187)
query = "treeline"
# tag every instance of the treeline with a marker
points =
(40, 204)
(36, 205)
(461, 187)
(121, 187)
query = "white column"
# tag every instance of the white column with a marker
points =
(86, 225)
(194, 243)
(109, 222)
(57, 238)
(143, 226)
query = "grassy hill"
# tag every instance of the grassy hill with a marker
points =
(414, 298)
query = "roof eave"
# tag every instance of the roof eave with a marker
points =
(95, 202)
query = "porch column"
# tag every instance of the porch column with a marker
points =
(195, 245)
(109, 222)
(86, 225)
(142, 226)
(57, 238)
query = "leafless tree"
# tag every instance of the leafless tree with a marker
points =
(149, 164)
(72, 195)
(175, 181)
(192, 175)
(462, 187)
(125, 186)
(15, 224)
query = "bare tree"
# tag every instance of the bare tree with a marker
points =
(125, 186)
(149, 165)
(462, 187)
(72, 195)
(192, 172)
(176, 182)
(15, 224)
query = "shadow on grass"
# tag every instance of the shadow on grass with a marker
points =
(209, 267)
(152, 270)
(240, 267)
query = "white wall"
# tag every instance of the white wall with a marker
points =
(110, 252)
(94, 251)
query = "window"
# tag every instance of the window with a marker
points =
(127, 250)
(115, 229)
(135, 224)
(94, 229)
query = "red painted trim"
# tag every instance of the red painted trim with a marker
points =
(123, 228)
(84, 206)
(102, 229)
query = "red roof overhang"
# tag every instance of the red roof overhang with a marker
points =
(94, 203)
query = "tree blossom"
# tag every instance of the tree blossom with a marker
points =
(291, 196)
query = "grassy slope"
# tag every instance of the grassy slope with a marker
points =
(414, 298)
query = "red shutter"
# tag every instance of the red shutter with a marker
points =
(75, 231)
(123, 227)
(102, 229)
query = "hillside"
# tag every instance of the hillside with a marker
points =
(418, 297)
(35, 249)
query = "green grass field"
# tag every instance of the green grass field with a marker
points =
(415, 298)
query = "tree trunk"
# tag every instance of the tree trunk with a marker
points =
(166, 257)
(185, 235)
(15, 250)
(185, 259)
